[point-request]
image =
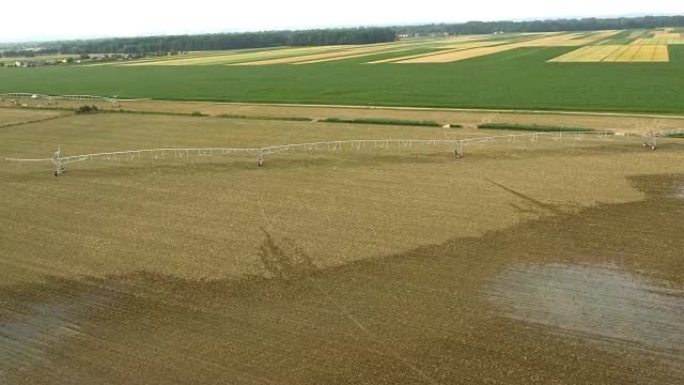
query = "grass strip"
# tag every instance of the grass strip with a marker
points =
(392, 122)
(260, 117)
(531, 127)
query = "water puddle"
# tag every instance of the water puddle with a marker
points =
(594, 301)
(28, 333)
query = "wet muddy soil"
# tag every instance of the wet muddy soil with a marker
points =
(595, 297)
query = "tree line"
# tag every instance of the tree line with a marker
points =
(587, 24)
(318, 37)
(219, 41)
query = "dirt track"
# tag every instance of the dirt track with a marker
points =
(635, 123)
(626, 122)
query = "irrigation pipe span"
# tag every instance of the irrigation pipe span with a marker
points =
(59, 160)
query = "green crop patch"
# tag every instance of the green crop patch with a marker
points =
(261, 117)
(394, 122)
(531, 127)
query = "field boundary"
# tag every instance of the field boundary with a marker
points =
(374, 107)
(15, 124)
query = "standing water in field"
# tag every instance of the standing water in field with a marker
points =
(595, 301)
(679, 190)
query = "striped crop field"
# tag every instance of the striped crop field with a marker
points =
(617, 71)
(662, 37)
(541, 40)
(617, 53)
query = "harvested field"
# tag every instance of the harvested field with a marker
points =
(190, 55)
(471, 118)
(567, 39)
(459, 54)
(445, 51)
(643, 53)
(590, 53)
(661, 37)
(475, 44)
(415, 56)
(399, 266)
(12, 116)
(350, 55)
(620, 51)
(617, 53)
(403, 54)
(545, 40)
(237, 57)
(346, 53)
(621, 38)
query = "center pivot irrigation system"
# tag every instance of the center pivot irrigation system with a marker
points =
(457, 145)
(16, 96)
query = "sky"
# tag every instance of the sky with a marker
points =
(69, 19)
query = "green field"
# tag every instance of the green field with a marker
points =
(517, 79)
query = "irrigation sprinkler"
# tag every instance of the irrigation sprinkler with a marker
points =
(57, 161)
(51, 99)
(651, 141)
(457, 146)
(458, 152)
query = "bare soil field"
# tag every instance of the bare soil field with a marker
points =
(628, 123)
(622, 122)
(12, 116)
(526, 262)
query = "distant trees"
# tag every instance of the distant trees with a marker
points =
(588, 24)
(223, 41)
(152, 45)
(129, 49)
(341, 36)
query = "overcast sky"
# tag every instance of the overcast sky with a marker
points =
(52, 19)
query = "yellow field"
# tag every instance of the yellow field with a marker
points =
(588, 54)
(545, 40)
(616, 53)
(458, 42)
(351, 55)
(662, 37)
(350, 52)
(451, 49)
(230, 57)
(444, 50)
(567, 39)
(460, 54)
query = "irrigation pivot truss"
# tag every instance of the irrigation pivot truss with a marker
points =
(652, 137)
(457, 146)
(53, 98)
